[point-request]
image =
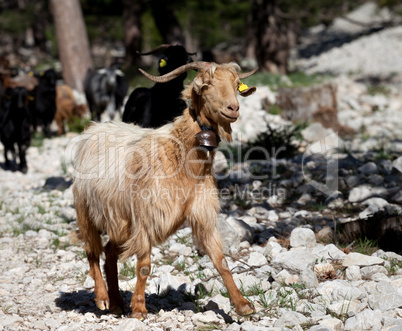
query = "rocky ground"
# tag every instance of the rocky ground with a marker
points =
(287, 224)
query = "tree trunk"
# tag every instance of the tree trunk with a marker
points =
(132, 11)
(167, 23)
(72, 41)
(274, 36)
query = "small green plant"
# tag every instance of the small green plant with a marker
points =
(181, 265)
(394, 265)
(318, 206)
(81, 254)
(185, 240)
(378, 89)
(255, 289)
(41, 209)
(128, 271)
(365, 246)
(37, 139)
(343, 314)
(77, 124)
(242, 203)
(63, 166)
(200, 293)
(56, 243)
(224, 292)
(273, 143)
(38, 262)
(263, 300)
(274, 110)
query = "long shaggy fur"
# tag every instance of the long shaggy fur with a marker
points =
(139, 186)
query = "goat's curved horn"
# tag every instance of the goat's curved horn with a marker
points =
(159, 48)
(177, 72)
(191, 53)
(243, 75)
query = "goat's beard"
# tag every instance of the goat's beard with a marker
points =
(225, 132)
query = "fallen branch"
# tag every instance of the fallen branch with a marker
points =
(250, 268)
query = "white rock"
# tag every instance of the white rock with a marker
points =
(353, 273)
(294, 261)
(359, 193)
(290, 318)
(338, 290)
(204, 318)
(361, 260)
(373, 206)
(257, 259)
(245, 231)
(272, 249)
(332, 324)
(181, 249)
(370, 271)
(130, 324)
(366, 320)
(302, 237)
(272, 216)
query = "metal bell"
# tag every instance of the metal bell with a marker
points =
(207, 139)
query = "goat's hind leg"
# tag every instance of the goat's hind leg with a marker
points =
(93, 248)
(112, 252)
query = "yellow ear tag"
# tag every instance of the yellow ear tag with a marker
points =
(30, 74)
(162, 63)
(242, 87)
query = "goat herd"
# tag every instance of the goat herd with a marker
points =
(29, 101)
(174, 162)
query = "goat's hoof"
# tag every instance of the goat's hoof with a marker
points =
(102, 304)
(245, 309)
(139, 315)
(117, 310)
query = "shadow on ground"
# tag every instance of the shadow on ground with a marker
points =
(82, 302)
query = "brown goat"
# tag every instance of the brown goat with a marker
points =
(66, 107)
(27, 81)
(140, 185)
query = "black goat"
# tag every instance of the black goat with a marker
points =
(15, 123)
(160, 104)
(43, 104)
(105, 89)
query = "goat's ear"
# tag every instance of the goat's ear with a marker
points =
(248, 91)
(198, 84)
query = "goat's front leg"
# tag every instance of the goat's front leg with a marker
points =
(212, 244)
(22, 154)
(7, 162)
(138, 300)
